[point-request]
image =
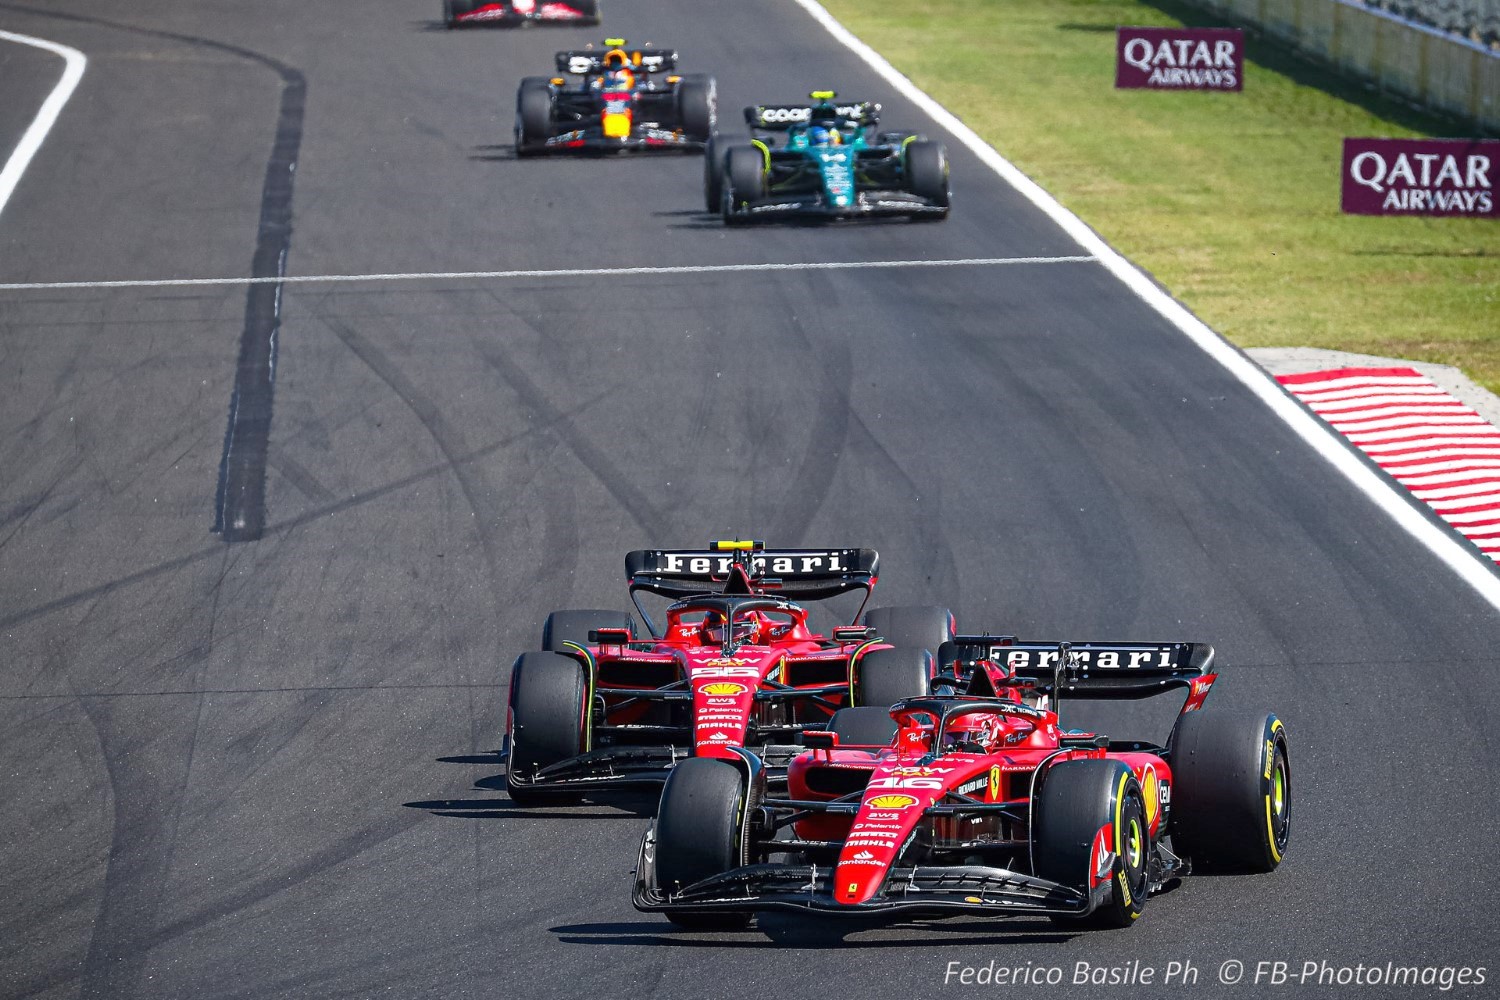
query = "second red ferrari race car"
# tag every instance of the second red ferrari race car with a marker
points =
(977, 801)
(734, 664)
(463, 13)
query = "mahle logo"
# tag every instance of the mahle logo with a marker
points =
(724, 687)
(893, 802)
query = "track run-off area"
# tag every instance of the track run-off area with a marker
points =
(274, 269)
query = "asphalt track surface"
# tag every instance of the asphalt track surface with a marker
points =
(266, 769)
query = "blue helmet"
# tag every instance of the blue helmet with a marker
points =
(820, 135)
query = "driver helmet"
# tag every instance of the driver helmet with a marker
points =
(745, 629)
(973, 733)
(618, 79)
(822, 135)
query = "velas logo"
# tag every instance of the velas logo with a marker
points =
(1179, 58)
(724, 687)
(1450, 177)
(893, 802)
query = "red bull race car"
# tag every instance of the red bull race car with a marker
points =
(622, 99)
(464, 13)
(975, 800)
(735, 663)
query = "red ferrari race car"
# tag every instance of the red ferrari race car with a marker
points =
(624, 99)
(977, 801)
(737, 665)
(462, 13)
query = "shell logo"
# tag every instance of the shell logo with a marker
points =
(893, 802)
(723, 687)
(1151, 794)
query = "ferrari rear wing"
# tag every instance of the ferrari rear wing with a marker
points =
(1088, 670)
(809, 574)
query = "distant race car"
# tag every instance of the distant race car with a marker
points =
(733, 665)
(976, 801)
(624, 99)
(462, 13)
(824, 160)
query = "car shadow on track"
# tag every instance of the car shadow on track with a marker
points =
(631, 804)
(782, 930)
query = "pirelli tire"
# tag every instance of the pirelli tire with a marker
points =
(701, 831)
(713, 173)
(453, 8)
(1078, 799)
(697, 106)
(918, 627)
(926, 169)
(535, 103)
(590, 11)
(548, 719)
(744, 181)
(863, 726)
(1231, 808)
(564, 627)
(886, 676)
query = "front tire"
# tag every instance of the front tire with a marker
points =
(927, 175)
(713, 174)
(697, 106)
(886, 676)
(701, 832)
(548, 703)
(534, 104)
(562, 627)
(1231, 790)
(1078, 799)
(744, 180)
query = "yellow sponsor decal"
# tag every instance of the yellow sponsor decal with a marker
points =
(994, 782)
(1124, 887)
(1151, 794)
(972, 899)
(724, 687)
(1270, 758)
(893, 802)
(617, 126)
(725, 661)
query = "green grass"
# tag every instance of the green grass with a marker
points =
(1230, 200)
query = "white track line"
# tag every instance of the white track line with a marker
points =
(572, 272)
(31, 139)
(1440, 542)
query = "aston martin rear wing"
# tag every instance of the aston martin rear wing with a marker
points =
(1088, 670)
(781, 117)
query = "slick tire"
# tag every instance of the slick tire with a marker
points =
(590, 11)
(914, 627)
(548, 705)
(563, 627)
(927, 175)
(697, 106)
(453, 8)
(863, 726)
(886, 676)
(713, 174)
(534, 105)
(1077, 799)
(1231, 805)
(701, 832)
(744, 180)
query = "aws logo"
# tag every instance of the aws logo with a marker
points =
(724, 688)
(893, 802)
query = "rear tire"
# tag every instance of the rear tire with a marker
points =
(574, 626)
(1231, 790)
(453, 8)
(697, 106)
(744, 180)
(887, 676)
(915, 627)
(534, 105)
(863, 726)
(701, 832)
(927, 174)
(1077, 799)
(713, 174)
(548, 699)
(590, 11)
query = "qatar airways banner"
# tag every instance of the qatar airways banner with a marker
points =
(1421, 177)
(1180, 58)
